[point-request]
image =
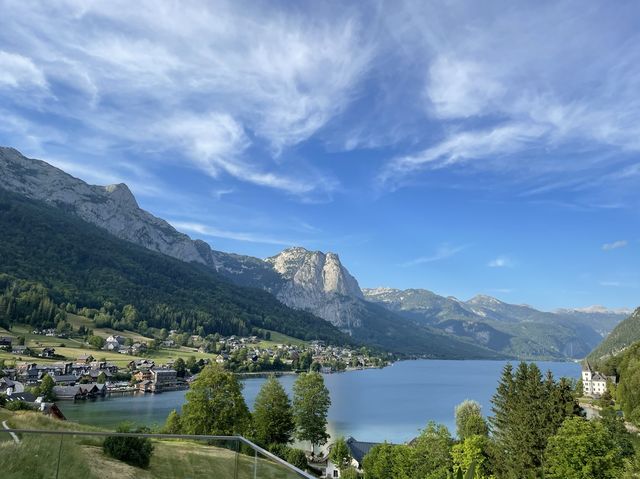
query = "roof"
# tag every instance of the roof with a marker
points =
(25, 397)
(359, 449)
(586, 366)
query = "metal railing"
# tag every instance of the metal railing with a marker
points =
(33, 453)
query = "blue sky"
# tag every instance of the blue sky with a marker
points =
(462, 147)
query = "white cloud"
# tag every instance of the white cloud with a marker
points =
(444, 251)
(501, 262)
(498, 85)
(239, 75)
(614, 245)
(207, 230)
(17, 71)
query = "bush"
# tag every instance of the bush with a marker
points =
(135, 451)
(297, 457)
(18, 406)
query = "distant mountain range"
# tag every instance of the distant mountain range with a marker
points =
(515, 330)
(412, 321)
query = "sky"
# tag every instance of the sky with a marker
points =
(462, 147)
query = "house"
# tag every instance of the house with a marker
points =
(48, 353)
(594, 383)
(21, 350)
(163, 380)
(65, 379)
(5, 342)
(8, 385)
(357, 450)
(23, 396)
(84, 359)
(80, 391)
(143, 374)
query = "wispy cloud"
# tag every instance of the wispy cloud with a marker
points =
(212, 231)
(501, 262)
(502, 105)
(233, 85)
(614, 245)
(444, 251)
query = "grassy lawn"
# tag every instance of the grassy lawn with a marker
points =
(279, 338)
(82, 457)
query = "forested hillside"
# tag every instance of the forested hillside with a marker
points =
(622, 336)
(49, 258)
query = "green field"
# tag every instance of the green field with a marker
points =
(73, 347)
(82, 457)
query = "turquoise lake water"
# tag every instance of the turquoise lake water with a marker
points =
(390, 404)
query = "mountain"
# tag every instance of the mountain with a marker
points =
(46, 253)
(622, 336)
(517, 330)
(311, 281)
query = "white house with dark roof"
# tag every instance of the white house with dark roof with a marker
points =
(594, 383)
(357, 450)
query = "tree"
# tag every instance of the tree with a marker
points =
(173, 424)
(340, 454)
(96, 341)
(102, 378)
(431, 452)
(583, 449)
(45, 389)
(616, 427)
(180, 367)
(135, 451)
(384, 461)
(469, 420)
(192, 365)
(215, 404)
(272, 415)
(474, 451)
(527, 411)
(311, 403)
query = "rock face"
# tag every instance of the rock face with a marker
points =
(302, 279)
(318, 282)
(112, 207)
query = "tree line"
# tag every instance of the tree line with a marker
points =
(70, 261)
(215, 406)
(537, 430)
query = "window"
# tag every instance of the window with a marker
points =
(335, 473)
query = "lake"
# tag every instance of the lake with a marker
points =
(390, 404)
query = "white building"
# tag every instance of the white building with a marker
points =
(594, 384)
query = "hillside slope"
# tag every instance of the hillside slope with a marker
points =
(623, 335)
(82, 264)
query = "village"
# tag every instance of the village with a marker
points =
(90, 375)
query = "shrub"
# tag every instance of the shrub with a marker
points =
(297, 457)
(135, 451)
(18, 406)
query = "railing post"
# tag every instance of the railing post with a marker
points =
(235, 475)
(255, 464)
(59, 454)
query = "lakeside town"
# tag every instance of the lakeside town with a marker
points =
(90, 375)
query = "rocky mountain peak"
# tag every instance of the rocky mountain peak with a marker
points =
(484, 300)
(315, 270)
(121, 194)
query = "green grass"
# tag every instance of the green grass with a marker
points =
(82, 457)
(279, 338)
